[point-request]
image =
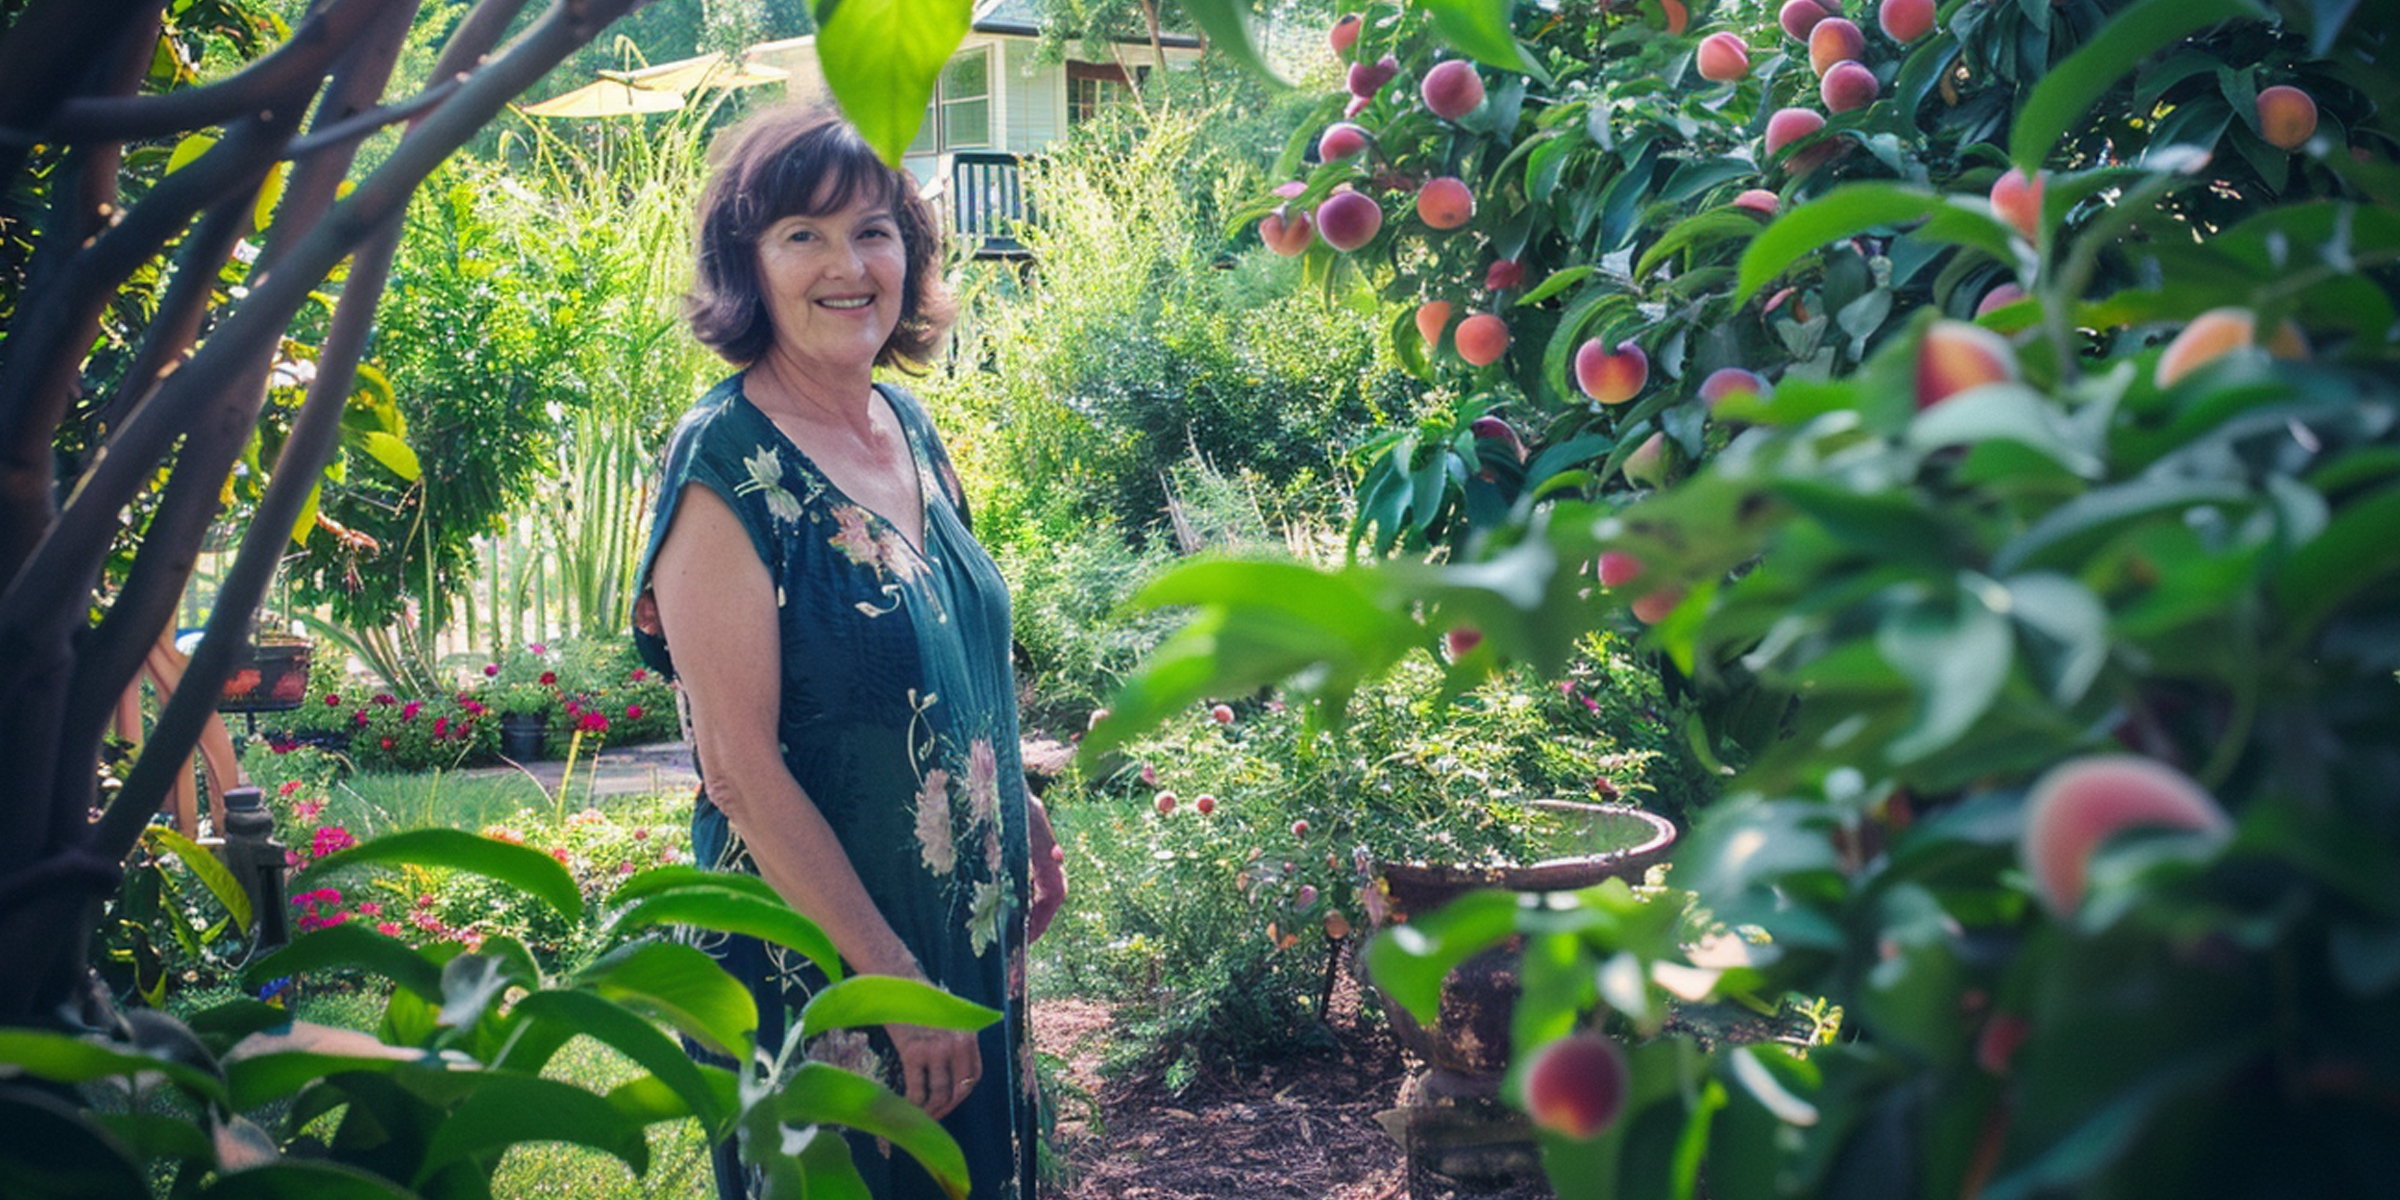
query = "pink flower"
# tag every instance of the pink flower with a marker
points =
(387, 929)
(289, 786)
(933, 823)
(474, 708)
(333, 700)
(385, 700)
(624, 868)
(559, 853)
(642, 834)
(536, 649)
(408, 711)
(502, 833)
(574, 708)
(851, 536)
(359, 717)
(593, 722)
(633, 712)
(441, 727)
(983, 781)
(549, 677)
(368, 908)
(330, 839)
(640, 674)
(490, 669)
(383, 743)
(291, 858)
(307, 810)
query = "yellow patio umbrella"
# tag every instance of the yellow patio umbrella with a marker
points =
(662, 88)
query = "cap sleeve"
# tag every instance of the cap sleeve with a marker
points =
(704, 451)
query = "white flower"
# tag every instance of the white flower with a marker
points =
(766, 475)
(933, 823)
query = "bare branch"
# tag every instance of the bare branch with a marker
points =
(44, 55)
(359, 126)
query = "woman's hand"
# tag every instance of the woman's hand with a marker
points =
(1049, 871)
(938, 1067)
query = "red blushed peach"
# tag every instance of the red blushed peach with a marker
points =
(1730, 381)
(1722, 58)
(2018, 201)
(1366, 79)
(1344, 34)
(1576, 1086)
(1357, 105)
(1287, 231)
(1905, 21)
(1618, 568)
(1222, 714)
(1348, 220)
(1204, 804)
(2082, 803)
(1834, 40)
(2211, 335)
(1679, 18)
(1445, 203)
(1341, 140)
(1653, 608)
(1452, 89)
(1164, 802)
(1647, 465)
(1759, 200)
(1848, 87)
(1611, 378)
(1433, 317)
(1290, 188)
(1789, 125)
(1998, 298)
(1460, 642)
(1503, 274)
(1481, 339)
(1490, 428)
(1799, 17)
(1300, 829)
(2287, 116)
(1956, 356)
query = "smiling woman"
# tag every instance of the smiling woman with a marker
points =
(843, 642)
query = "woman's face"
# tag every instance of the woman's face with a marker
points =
(833, 284)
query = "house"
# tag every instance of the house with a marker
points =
(995, 103)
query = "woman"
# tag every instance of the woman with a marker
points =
(843, 643)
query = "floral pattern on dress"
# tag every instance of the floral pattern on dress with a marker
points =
(934, 843)
(766, 477)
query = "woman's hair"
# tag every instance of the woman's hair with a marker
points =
(806, 161)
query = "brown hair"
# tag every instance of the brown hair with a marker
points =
(807, 161)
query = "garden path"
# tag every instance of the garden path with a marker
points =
(617, 771)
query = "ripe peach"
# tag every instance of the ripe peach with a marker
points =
(2210, 336)
(1341, 140)
(1490, 428)
(1306, 898)
(1452, 89)
(1204, 804)
(1344, 33)
(1799, 17)
(1433, 316)
(2287, 116)
(1164, 803)
(1503, 274)
(1834, 40)
(1577, 1086)
(1999, 298)
(1848, 87)
(1956, 356)
(1759, 200)
(1647, 465)
(1357, 105)
(1300, 828)
(1905, 21)
(1366, 79)
(1460, 642)
(1730, 381)
(1481, 339)
(1445, 202)
(1611, 378)
(1287, 231)
(1618, 568)
(1337, 926)
(1222, 714)
(2081, 803)
(2018, 201)
(1679, 18)
(1789, 125)
(1722, 58)
(1348, 220)
(1653, 608)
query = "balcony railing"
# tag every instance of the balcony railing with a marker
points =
(987, 203)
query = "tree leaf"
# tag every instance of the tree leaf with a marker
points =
(350, 947)
(1842, 213)
(769, 919)
(683, 987)
(522, 867)
(208, 868)
(304, 1179)
(888, 999)
(1479, 29)
(54, 1151)
(394, 454)
(506, 1110)
(1232, 32)
(881, 59)
(2066, 94)
(621, 1030)
(819, 1094)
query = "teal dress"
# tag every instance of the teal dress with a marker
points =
(899, 721)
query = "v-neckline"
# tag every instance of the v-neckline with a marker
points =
(916, 469)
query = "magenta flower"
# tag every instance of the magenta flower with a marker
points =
(409, 711)
(490, 669)
(330, 839)
(333, 700)
(537, 649)
(359, 717)
(640, 674)
(593, 722)
(549, 677)
(633, 712)
(441, 728)
(385, 700)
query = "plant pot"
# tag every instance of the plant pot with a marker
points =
(521, 736)
(271, 677)
(1467, 1045)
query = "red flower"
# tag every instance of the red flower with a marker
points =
(385, 699)
(359, 717)
(633, 712)
(549, 677)
(409, 711)
(384, 743)
(593, 722)
(490, 669)
(387, 929)
(332, 700)
(441, 728)
(639, 674)
(289, 786)
(474, 708)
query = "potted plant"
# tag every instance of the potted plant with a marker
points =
(522, 688)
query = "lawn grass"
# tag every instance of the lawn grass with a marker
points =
(370, 804)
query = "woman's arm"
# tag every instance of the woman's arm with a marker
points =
(1049, 871)
(717, 607)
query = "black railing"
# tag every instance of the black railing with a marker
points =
(987, 203)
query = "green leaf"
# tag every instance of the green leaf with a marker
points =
(522, 867)
(2065, 95)
(1479, 29)
(208, 868)
(350, 947)
(1697, 231)
(1842, 213)
(505, 1110)
(818, 1093)
(2355, 551)
(306, 523)
(1957, 659)
(1557, 281)
(769, 919)
(1408, 961)
(50, 1150)
(1232, 32)
(304, 1179)
(394, 454)
(61, 1058)
(881, 59)
(683, 987)
(272, 1065)
(888, 999)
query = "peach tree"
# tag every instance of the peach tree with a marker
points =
(2004, 460)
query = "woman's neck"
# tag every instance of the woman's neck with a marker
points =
(783, 387)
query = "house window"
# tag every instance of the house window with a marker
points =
(1092, 87)
(965, 98)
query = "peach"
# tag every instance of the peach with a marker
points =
(1848, 87)
(1998, 298)
(1164, 802)
(1809, 158)
(1348, 220)
(1956, 356)
(1576, 1086)
(1290, 188)
(1481, 339)
(1222, 714)
(2018, 201)
(1834, 40)
(1305, 898)
(1287, 231)
(1722, 58)
(1366, 79)
(1618, 568)
(1490, 428)
(1800, 17)
(1452, 89)
(1647, 465)
(1504, 274)
(1341, 140)
(2287, 116)
(1460, 642)
(1905, 21)
(1653, 608)
(1611, 378)
(2081, 803)
(1445, 203)
(1204, 804)
(2211, 336)
(1679, 18)
(1789, 125)
(1730, 381)
(1300, 828)
(1344, 33)
(1357, 105)
(1759, 200)
(1433, 316)
(1337, 926)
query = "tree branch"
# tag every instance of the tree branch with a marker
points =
(43, 55)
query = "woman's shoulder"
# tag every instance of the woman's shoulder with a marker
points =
(713, 420)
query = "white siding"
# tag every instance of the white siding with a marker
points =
(1036, 98)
